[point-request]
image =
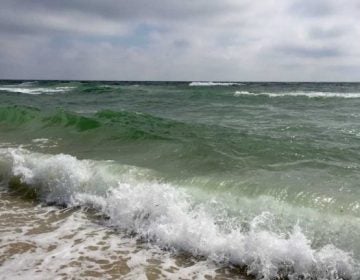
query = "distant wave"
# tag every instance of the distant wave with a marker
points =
(26, 84)
(212, 84)
(310, 94)
(238, 93)
(35, 90)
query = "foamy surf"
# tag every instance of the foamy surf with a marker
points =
(243, 92)
(35, 90)
(211, 84)
(167, 215)
(314, 94)
(45, 242)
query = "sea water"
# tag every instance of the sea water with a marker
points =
(212, 180)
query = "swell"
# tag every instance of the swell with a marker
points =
(92, 88)
(17, 115)
(134, 125)
(193, 148)
(135, 201)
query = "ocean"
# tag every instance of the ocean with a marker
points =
(179, 180)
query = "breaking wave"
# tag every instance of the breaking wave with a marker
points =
(310, 94)
(136, 202)
(34, 90)
(210, 84)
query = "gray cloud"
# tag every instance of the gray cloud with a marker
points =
(324, 33)
(179, 40)
(309, 52)
(308, 8)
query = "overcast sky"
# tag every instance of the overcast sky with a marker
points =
(244, 40)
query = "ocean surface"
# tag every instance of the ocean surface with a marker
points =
(179, 180)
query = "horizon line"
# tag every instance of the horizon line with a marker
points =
(175, 81)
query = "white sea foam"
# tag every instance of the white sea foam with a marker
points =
(210, 84)
(70, 245)
(35, 90)
(310, 94)
(40, 140)
(45, 142)
(238, 93)
(170, 217)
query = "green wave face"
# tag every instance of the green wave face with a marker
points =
(14, 116)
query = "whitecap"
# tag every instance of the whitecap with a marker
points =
(309, 94)
(35, 90)
(238, 93)
(210, 84)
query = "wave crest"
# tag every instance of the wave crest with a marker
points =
(35, 90)
(212, 84)
(309, 94)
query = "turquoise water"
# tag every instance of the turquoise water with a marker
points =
(260, 175)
